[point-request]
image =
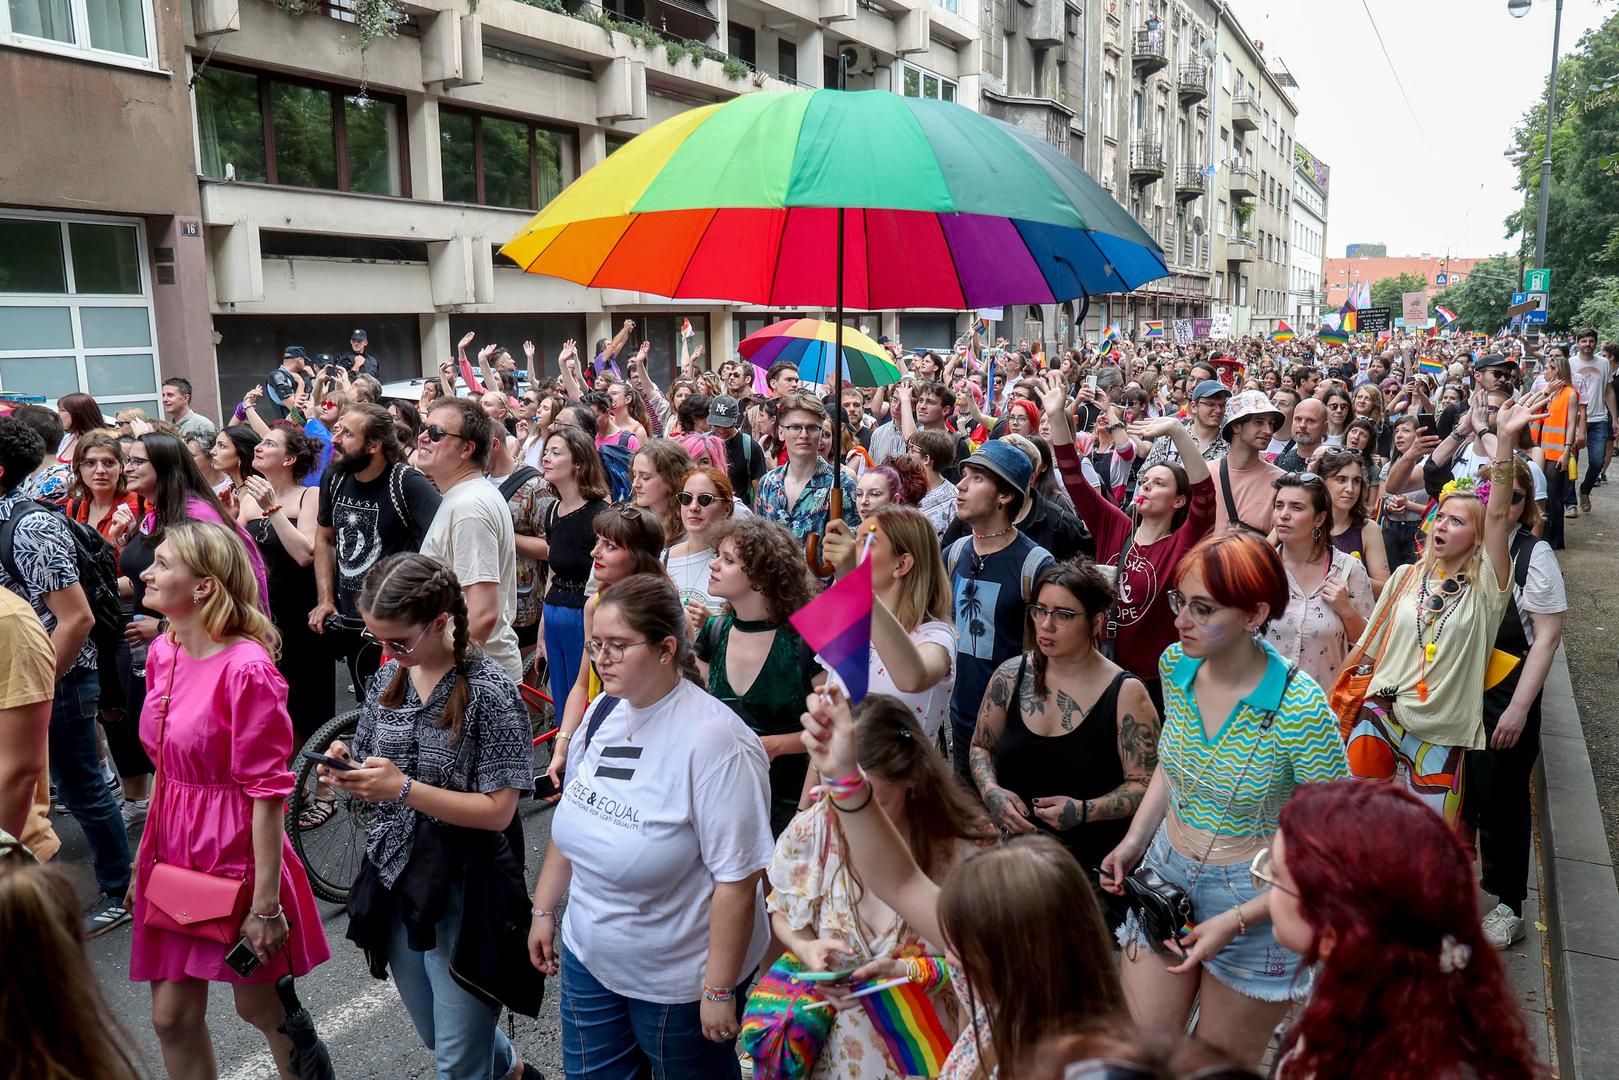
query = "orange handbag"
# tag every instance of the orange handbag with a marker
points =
(1354, 679)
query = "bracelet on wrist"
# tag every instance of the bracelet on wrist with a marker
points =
(541, 914)
(853, 809)
(399, 800)
(717, 993)
(564, 735)
(1242, 924)
(844, 786)
(272, 508)
(271, 916)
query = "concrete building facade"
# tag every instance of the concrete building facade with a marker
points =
(1307, 272)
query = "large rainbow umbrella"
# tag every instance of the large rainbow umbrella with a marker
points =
(943, 208)
(810, 344)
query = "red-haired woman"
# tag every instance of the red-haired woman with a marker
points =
(1405, 984)
(1242, 729)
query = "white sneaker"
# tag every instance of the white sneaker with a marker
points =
(1502, 927)
(134, 811)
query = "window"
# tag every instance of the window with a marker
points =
(270, 131)
(787, 59)
(920, 83)
(119, 31)
(740, 42)
(497, 161)
(76, 310)
(1110, 97)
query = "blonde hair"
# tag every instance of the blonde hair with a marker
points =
(925, 591)
(215, 552)
(1475, 513)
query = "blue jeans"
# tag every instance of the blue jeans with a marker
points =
(1596, 448)
(564, 648)
(76, 770)
(606, 1036)
(463, 1033)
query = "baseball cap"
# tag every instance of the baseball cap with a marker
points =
(1007, 462)
(1208, 388)
(1494, 360)
(358, 335)
(724, 411)
(294, 350)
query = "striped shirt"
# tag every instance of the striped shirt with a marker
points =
(1301, 746)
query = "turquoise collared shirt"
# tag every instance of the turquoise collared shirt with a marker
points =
(1235, 783)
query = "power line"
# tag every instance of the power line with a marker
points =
(1392, 71)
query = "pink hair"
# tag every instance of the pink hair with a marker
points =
(698, 443)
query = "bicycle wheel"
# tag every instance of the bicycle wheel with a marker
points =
(328, 827)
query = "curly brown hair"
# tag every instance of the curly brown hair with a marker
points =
(773, 561)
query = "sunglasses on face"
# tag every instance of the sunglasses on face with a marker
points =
(436, 433)
(705, 499)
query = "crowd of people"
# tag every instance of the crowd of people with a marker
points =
(1166, 642)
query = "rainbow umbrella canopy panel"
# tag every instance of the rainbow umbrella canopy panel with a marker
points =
(740, 201)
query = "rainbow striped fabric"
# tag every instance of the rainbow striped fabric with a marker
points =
(783, 1037)
(1328, 336)
(1431, 366)
(1110, 335)
(910, 1029)
(1283, 332)
(1152, 328)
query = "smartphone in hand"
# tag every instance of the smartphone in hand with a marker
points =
(242, 959)
(340, 764)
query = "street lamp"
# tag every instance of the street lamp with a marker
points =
(1518, 9)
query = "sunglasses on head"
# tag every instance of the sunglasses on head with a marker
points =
(1296, 479)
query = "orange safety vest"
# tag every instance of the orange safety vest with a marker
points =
(1551, 434)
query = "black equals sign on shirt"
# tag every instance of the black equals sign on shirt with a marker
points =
(617, 753)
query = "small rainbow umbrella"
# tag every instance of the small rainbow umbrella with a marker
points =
(811, 344)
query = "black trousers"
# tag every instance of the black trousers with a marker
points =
(1497, 805)
(1556, 487)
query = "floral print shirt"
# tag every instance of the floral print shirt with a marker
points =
(808, 513)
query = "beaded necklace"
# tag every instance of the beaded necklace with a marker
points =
(1434, 607)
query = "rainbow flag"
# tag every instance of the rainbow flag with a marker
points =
(1430, 366)
(1110, 334)
(1347, 319)
(1328, 336)
(837, 625)
(1446, 316)
(1283, 332)
(910, 1028)
(1152, 328)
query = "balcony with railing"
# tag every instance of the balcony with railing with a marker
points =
(1243, 181)
(1189, 181)
(1239, 247)
(1146, 161)
(1245, 113)
(1192, 82)
(1149, 54)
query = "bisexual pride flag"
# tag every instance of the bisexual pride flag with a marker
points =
(837, 625)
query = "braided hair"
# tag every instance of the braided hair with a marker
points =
(416, 589)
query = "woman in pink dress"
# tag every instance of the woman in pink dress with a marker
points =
(216, 723)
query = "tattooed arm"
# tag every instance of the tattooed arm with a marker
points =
(1005, 808)
(1138, 752)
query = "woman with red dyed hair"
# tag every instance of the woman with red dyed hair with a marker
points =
(1405, 983)
(1242, 730)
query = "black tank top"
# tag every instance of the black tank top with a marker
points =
(1081, 764)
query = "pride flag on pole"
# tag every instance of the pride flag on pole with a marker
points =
(1152, 328)
(910, 1029)
(1283, 332)
(1430, 366)
(685, 329)
(1446, 316)
(1328, 336)
(1347, 319)
(1110, 335)
(837, 625)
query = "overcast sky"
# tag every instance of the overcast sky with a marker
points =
(1437, 184)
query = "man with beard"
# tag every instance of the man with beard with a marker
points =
(371, 505)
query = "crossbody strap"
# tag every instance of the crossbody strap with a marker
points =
(157, 764)
(1382, 626)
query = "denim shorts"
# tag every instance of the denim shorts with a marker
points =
(1253, 964)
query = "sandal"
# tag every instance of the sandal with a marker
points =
(317, 813)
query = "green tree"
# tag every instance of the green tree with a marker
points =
(1386, 291)
(1600, 308)
(1481, 300)
(1582, 228)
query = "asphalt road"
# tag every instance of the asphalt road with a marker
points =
(362, 1020)
(1591, 641)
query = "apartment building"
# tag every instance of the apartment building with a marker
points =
(1253, 201)
(1307, 272)
(102, 259)
(1439, 272)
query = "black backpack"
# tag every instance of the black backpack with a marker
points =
(97, 563)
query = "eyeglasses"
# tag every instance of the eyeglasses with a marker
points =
(396, 648)
(705, 499)
(610, 652)
(1262, 874)
(803, 431)
(1197, 609)
(1058, 616)
(436, 433)
(136, 462)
